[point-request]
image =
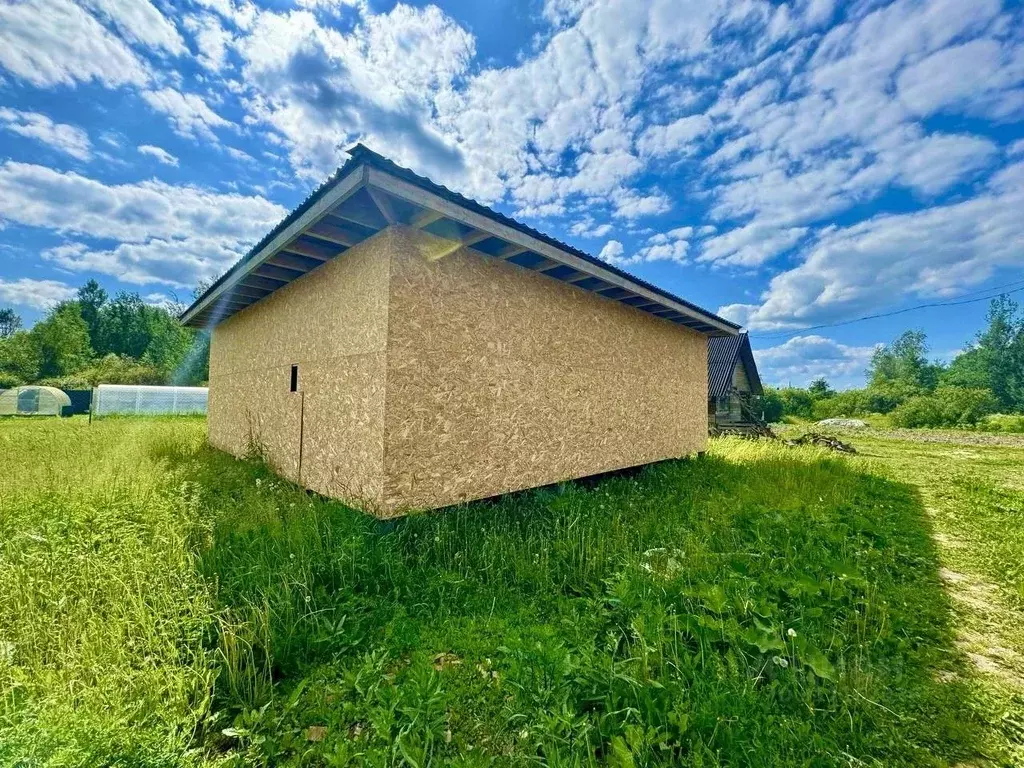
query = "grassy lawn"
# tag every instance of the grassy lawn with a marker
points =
(163, 604)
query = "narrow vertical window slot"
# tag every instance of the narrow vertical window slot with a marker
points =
(295, 378)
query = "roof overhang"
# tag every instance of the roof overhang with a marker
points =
(369, 193)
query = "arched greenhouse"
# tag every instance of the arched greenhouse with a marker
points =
(33, 401)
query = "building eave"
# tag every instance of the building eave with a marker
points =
(369, 193)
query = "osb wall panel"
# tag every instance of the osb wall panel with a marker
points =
(332, 323)
(501, 379)
(343, 434)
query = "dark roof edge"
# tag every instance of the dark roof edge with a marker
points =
(331, 181)
(746, 354)
(360, 155)
(359, 151)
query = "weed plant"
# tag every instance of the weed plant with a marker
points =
(162, 603)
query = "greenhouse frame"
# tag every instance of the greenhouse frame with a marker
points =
(145, 400)
(33, 401)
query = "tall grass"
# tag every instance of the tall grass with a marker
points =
(162, 603)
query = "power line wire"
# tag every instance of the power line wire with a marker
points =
(959, 300)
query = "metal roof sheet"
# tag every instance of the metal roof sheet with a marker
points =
(723, 354)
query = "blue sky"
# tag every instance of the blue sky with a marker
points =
(788, 164)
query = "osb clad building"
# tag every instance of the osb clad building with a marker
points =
(399, 346)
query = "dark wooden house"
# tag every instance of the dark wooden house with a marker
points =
(734, 386)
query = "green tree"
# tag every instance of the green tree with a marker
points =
(969, 369)
(820, 390)
(19, 359)
(91, 299)
(10, 322)
(62, 339)
(124, 326)
(170, 347)
(904, 363)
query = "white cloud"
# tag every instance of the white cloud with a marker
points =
(322, 90)
(211, 39)
(587, 227)
(678, 136)
(170, 304)
(190, 116)
(976, 74)
(937, 251)
(673, 245)
(169, 234)
(612, 252)
(939, 161)
(34, 294)
(161, 154)
(68, 139)
(802, 359)
(750, 245)
(631, 204)
(55, 42)
(238, 154)
(180, 263)
(140, 22)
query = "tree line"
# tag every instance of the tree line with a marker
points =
(985, 378)
(95, 339)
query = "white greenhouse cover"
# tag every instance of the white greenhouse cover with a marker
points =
(139, 400)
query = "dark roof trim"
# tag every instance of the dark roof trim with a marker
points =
(365, 167)
(723, 354)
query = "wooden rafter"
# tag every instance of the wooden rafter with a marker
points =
(303, 249)
(425, 218)
(510, 250)
(383, 203)
(294, 261)
(333, 234)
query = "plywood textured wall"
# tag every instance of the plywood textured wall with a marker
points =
(430, 381)
(499, 378)
(332, 323)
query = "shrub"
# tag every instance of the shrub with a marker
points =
(796, 402)
(1002, 422)
(771, 405)
(118, 369)
(852, 402)
(8, 380)
(947, 407)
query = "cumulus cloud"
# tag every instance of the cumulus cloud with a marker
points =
(802, 359)
(170, 234)
(140, 22)
(69, 139)
(34, 294)
(612, 252)
(180, 263)
(56, 42)
(161, 154)
(936, 251)
(211, 39)
(763, 122)
(190, 116)
(589, 228)
(321, 90)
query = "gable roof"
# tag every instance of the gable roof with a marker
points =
(723, 354)
(370, 192)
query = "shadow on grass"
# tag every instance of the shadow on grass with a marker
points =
(758, 606)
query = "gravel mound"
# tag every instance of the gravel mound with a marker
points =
(847, 423)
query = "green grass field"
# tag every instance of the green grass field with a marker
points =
(163, 604)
